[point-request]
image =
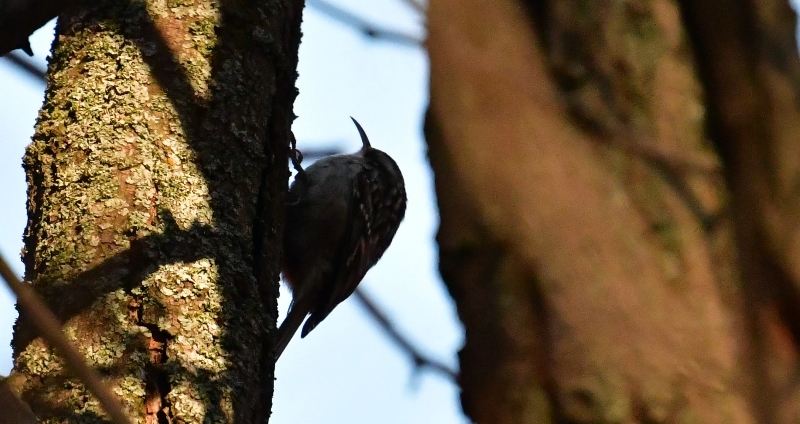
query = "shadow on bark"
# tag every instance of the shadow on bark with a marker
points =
(244, 180)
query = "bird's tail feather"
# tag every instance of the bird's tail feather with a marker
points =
(288, 327)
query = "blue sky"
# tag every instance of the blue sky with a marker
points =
(346, 370)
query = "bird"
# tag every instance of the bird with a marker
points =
(342, 215)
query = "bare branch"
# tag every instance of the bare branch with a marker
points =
(368, 29)
(50, 330)
(672, 166)
(15, 411)
(416, 5)
(320, 153)
(26, 65)
(419, 359)
(20, 18)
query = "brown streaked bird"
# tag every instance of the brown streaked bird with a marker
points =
(343, 215)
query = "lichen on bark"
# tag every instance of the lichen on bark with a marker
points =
(156, 177)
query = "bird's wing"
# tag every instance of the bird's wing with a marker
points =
(371, 227)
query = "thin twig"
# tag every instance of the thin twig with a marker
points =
(26, 65)
(642, 145)
(419, 359)
(50, 330)
(338, 14)
(673, 167)
(314, 154)
(417, 6)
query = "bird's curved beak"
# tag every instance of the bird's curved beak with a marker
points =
(365, 146)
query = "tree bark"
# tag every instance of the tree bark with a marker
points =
(610, 259)
(156, 178)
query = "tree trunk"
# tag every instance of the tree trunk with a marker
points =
(610, 259)
(156, 179)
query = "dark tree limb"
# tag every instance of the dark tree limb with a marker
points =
(20, 18)
(15, 411)
(50, 330)
(416, 5)
(25, 65)
(419, 359)
(366, 28)
(321, 152)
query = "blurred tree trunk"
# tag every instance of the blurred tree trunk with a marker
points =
(156, 182)
(618, 183)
